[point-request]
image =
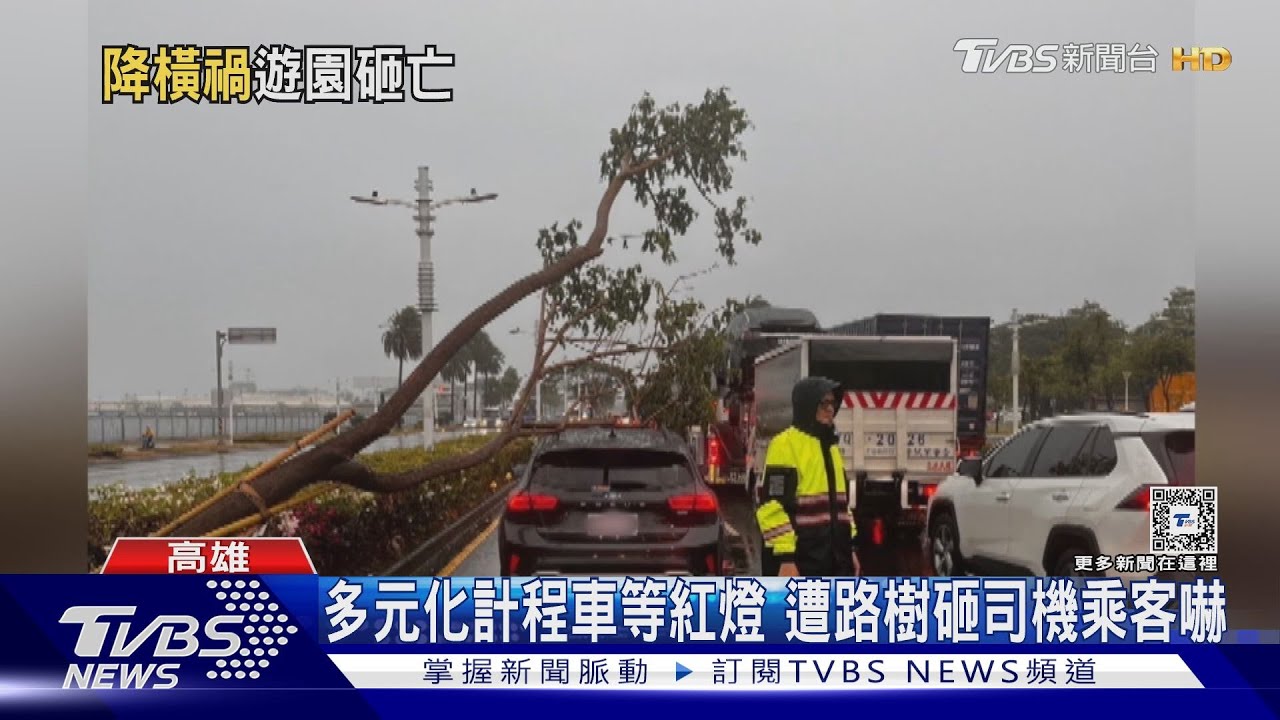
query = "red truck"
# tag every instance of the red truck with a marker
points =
(724, 449)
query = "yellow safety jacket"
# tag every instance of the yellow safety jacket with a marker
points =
(804, 512)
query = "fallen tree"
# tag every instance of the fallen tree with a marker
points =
(660, 153)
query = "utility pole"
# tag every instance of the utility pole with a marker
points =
(1127, 373)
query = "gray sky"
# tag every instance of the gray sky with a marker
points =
(883, 178)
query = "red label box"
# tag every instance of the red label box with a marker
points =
(208, 556)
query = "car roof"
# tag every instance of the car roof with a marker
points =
(1125, 422)
(613, 438)
(1170, 421)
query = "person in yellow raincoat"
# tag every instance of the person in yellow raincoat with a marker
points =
(804, 514)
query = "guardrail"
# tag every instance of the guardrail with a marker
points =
(435, 553)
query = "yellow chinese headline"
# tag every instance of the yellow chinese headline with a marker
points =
(276, 73)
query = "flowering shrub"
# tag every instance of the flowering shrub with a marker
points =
(105, 450)
(347, 531)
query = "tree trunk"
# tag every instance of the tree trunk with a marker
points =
(332, 459)
(400, 384)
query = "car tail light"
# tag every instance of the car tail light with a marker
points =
(712, 565)
(513, 564)
(1139, 499)
(698, 504)
(523, 502)
(713, 452)
(928, 491)
(877, 532)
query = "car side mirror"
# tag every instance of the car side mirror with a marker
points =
(970, 468)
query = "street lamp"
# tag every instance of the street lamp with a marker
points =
(1016, 363)
(426, 272)
(537, 388)
(1127, 373)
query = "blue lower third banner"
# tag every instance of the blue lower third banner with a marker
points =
(250, 635)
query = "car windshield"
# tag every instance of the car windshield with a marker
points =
(1176, 453)
(618, 470)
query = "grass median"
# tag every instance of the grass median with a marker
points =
(347, 531)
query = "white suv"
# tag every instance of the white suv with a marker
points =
(1058, 488)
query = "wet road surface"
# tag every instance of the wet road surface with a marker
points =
(479, 559)
(151, 473)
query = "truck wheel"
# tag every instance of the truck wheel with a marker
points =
(944, 546)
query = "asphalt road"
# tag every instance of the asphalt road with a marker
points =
(480, 557)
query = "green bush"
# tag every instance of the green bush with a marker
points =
(347, 532)
(105, 450)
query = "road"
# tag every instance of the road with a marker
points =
(151, 473)
(480, 558)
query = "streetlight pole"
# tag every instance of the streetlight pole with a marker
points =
(537, 387)
(1127, 373)
(426, 274)
(221, 338)
(1015, 369)
(1016, 366)
(426, 297)
(231, 398)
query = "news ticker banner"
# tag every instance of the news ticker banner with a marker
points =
(250, 632)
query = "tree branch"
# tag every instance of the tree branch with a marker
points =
(323, 460)
(630, 168)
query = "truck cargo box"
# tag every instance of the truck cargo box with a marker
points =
(972, 335)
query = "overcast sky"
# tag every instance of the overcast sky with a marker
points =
(883, 178)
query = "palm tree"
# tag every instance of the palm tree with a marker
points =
(507, 386)
(402, 337)
(486, 359)
(491, 367)
(455, 371)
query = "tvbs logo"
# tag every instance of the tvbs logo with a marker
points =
(980, 56)
(1215, 59)
(1184, 520)
(105, 633)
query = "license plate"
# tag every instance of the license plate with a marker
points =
(930, 453)
(613, 524)
(881, 440)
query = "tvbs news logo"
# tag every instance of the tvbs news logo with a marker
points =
(119, 649)
(980, 56)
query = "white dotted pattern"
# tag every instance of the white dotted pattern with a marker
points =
(269, 627)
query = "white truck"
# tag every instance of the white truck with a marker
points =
(897, 418)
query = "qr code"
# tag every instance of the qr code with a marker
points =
(1184, 520)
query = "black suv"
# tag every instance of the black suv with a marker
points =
(611, 500)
